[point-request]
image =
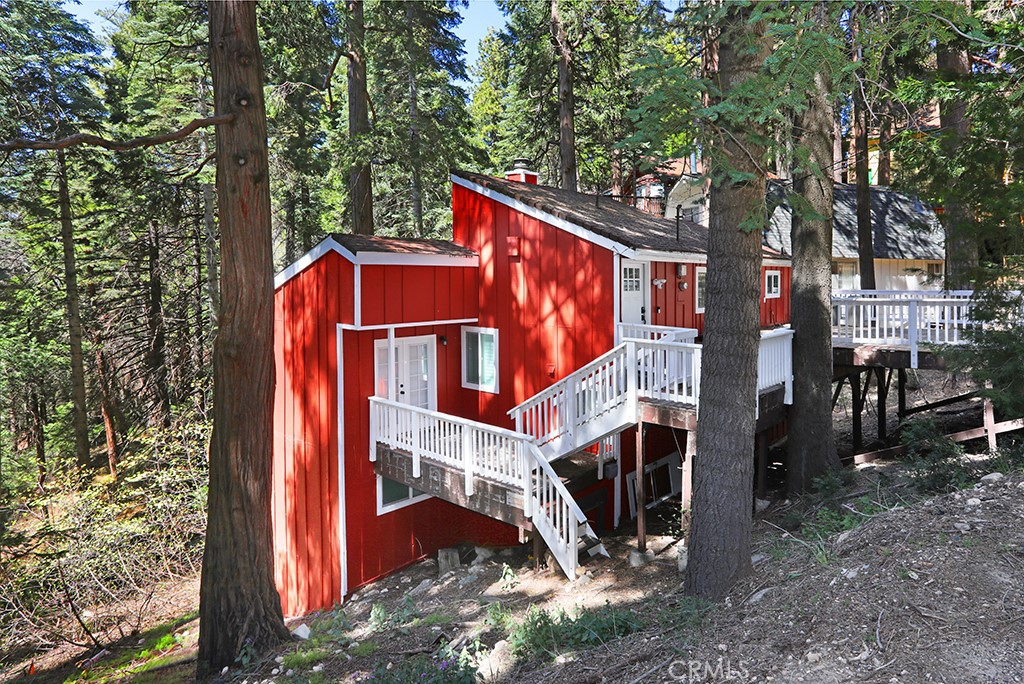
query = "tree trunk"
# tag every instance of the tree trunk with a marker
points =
(724, 465)
(156, 354)
(566, 103)
(837, 149)
(958, 219)
(865, 239)
(212, 263)
(360, 189)
(38, 409)
(80, 417)
(884, 138)
(414, 125)
(289, 228)
(239, 604)
(812, 450)
(107, 407)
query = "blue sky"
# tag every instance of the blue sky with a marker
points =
(477, 18)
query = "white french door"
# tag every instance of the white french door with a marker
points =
(634, 283)
(411, 377)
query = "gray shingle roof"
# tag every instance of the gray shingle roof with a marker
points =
(903, 227)
(606, 217)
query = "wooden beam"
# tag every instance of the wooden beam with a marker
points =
(989, 420)
(901, 393)
(962, 436)
(761, 439)
(641, 499)
(839, 389)
(882, 380)
(691, 452)
(939, 404)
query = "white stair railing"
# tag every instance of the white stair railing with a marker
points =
(775, 362)
(665, 333)
(479, 450)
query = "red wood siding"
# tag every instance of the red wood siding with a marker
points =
(675, 307)
(305, 495)
(552, 304)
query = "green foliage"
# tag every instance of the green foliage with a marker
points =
(381, 620)
(936, 463)
(509, 578)
(303, 659)
(545, 635)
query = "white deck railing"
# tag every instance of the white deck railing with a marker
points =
(903, 321)
(902, 294)
(665, 333)
(479, 450)
(601, 397)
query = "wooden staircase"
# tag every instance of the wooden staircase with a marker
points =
(507, 474)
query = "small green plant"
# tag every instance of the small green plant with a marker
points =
(936, 462)
(304, 658)
(833, 483)
(364, 649)
(684, 613)
(509, 578)
(381, 620)
(498, 616)
(432, 619)
(543, 635)
(247, 654)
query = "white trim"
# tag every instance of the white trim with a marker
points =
(692, 257)
(697, 308)
(304, 262)
(373, 258)
(394, 506)
(357, 296)
(568, 226)
(617, 299)
(414, 324)
(490, 389)
(394, 259)
(342, 538)
(767, 276)
(780, 263)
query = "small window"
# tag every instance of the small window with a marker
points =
(393, 495)
(631, 278)
(700, 294)
(772, 284)
(935, 272)
(480, 359)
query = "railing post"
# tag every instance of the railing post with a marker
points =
(696, 376)
(912, 333)
(467, 458)
(417, 447)
(632, 369)
(787, 368)
(374, 408)
(571, 388)
(527, 479)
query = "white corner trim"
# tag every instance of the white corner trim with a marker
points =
(413, 324)
(567, 226)
(671, 257)
(342, 541)
(780, 263)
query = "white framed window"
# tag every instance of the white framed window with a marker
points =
(772, 284)
(935, 272)
(480, 359)
(631, 278)
(392, 495)
(700, 291)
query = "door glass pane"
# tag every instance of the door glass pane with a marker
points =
(381, 387)
(416, 376)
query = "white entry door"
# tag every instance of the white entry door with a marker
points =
(412, 376)
(633, 297)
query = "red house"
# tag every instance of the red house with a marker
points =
(431, 392)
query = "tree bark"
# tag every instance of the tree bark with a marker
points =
(724, 465)
(884, 138)
(958, 219)
(360, 189)
(80, 417)
(865, 242)
(38, 409)
(812, 450)
(837, 150)
(569, 177)
(107, 407)
(239, 604)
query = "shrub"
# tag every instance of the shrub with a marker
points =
(436, 669)
(544, 635)
(936, 463)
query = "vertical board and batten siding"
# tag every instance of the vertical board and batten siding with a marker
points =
(553, 304)
(675, 307)
(305, 497)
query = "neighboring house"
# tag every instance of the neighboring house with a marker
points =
(908, 240)
(488, 388)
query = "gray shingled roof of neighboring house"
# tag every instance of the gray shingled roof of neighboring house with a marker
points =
(904, 228)
(395, 245)
(608, 218)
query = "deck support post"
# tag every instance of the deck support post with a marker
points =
(901, 393)
(989, 419)
(641, 498)
(691, 451)
(882, 380)
(858, 408)
(538, 549)
(761, 440)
